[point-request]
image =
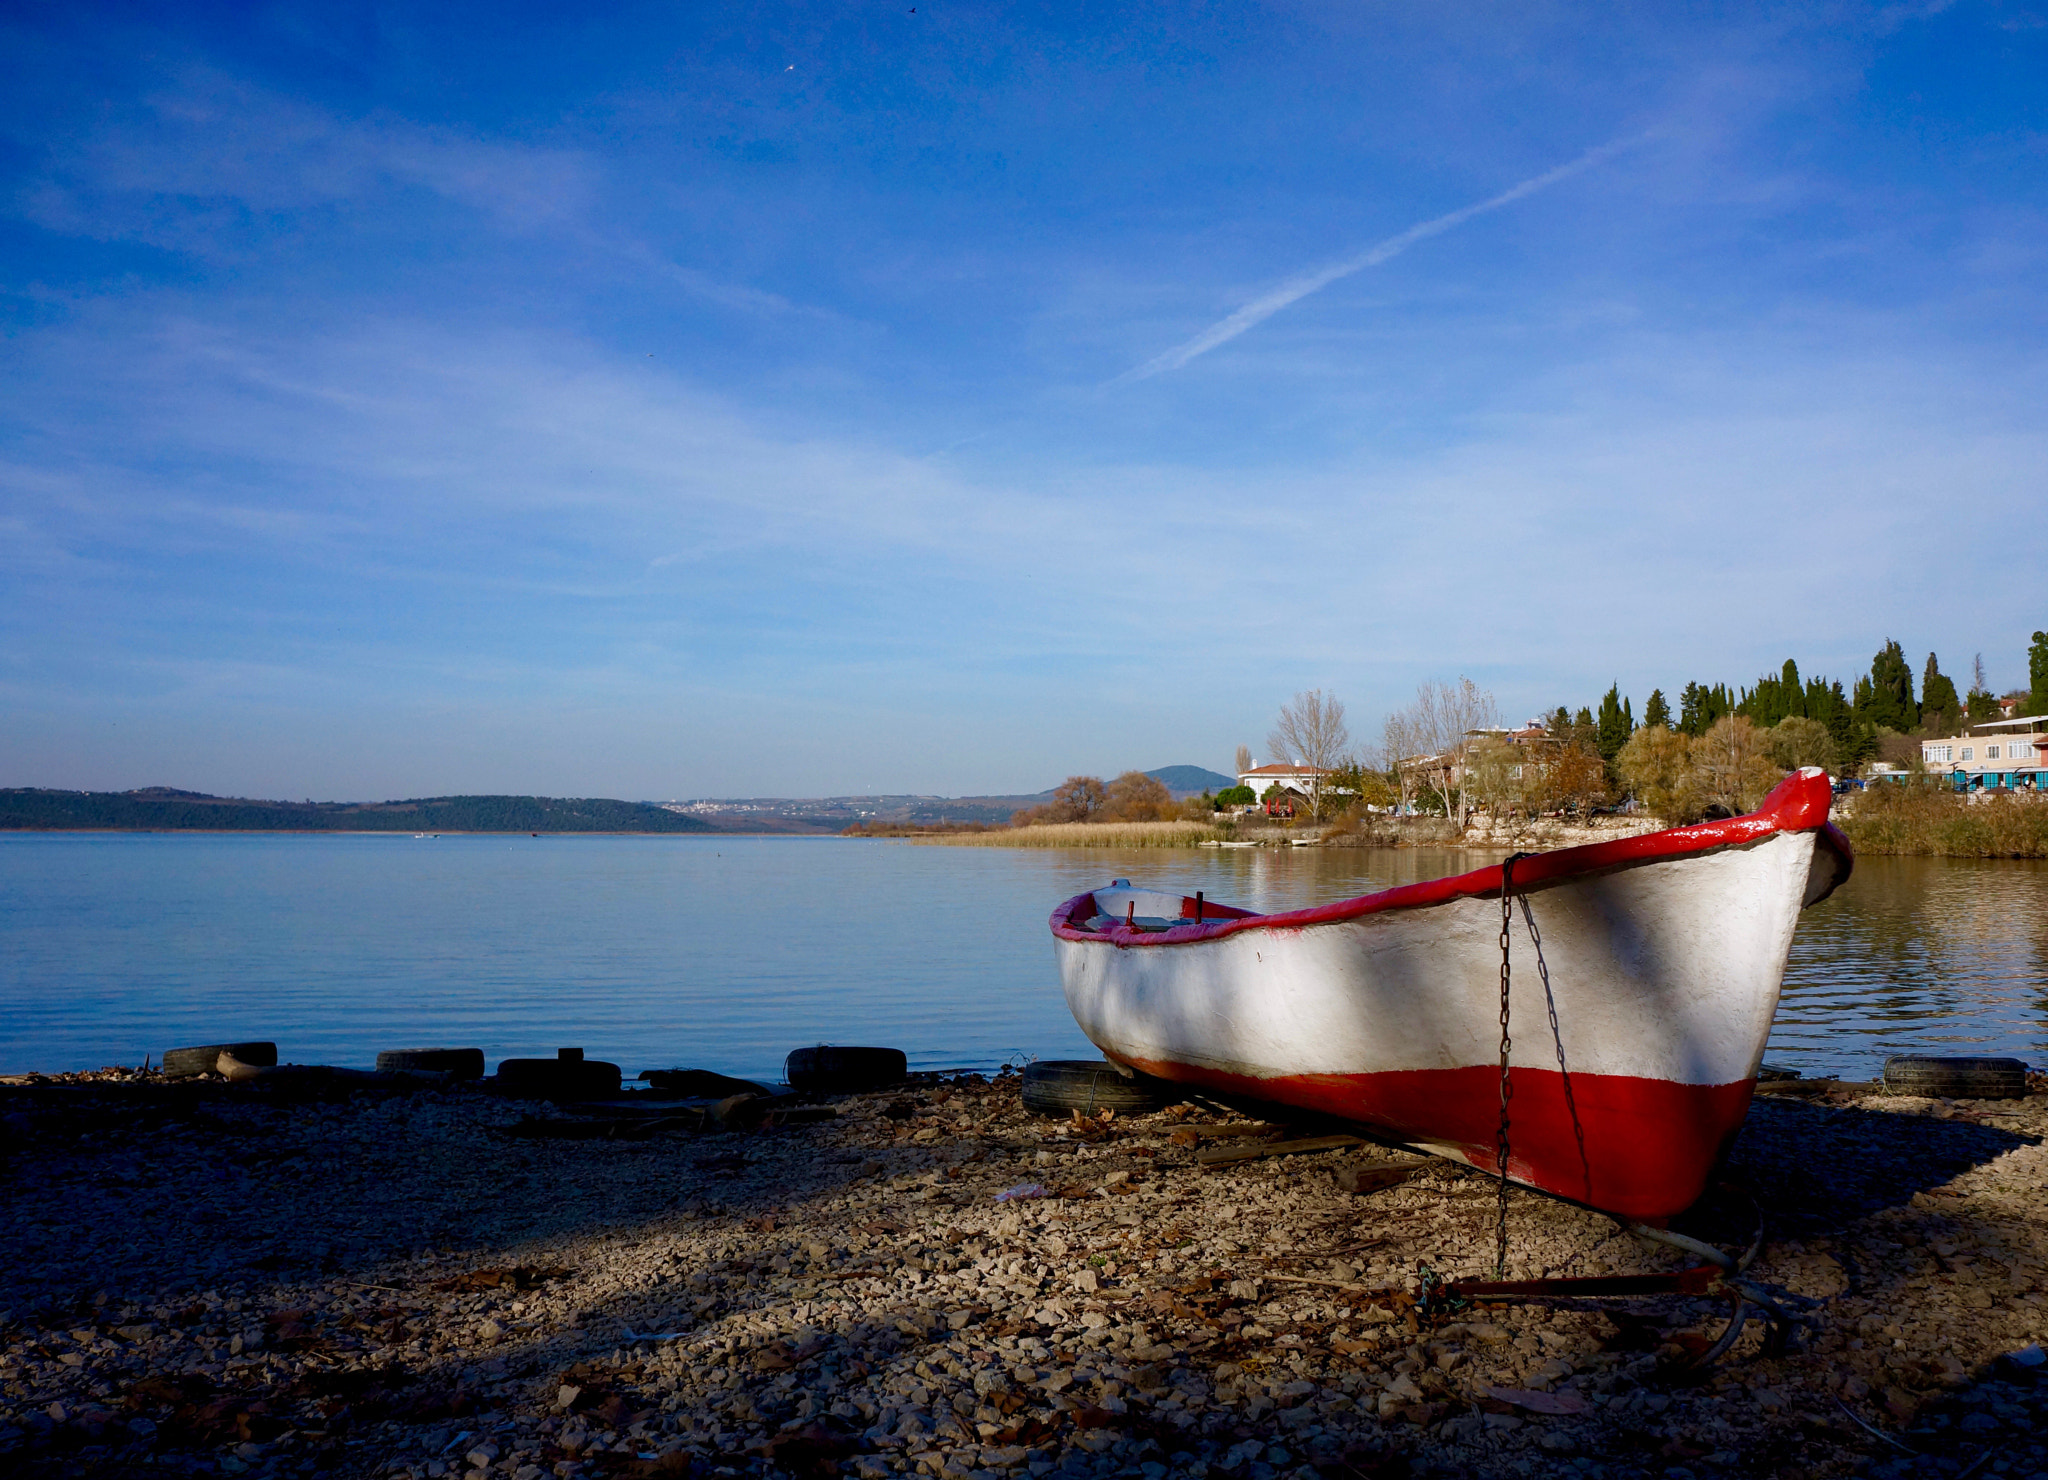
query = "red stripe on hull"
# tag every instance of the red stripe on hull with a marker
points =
(1650, 1144)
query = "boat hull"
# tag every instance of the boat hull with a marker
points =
(1664, 962)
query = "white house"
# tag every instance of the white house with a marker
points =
(1300, 780)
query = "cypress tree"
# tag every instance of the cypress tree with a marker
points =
(1656, 711)
(2037, 674)
(1795, 696)
(1938, 701)
(1689, 709)
(1615, 724)
(1890, 695)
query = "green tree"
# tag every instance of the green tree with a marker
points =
(1654, 766)
(1656, 711)
(1775, 697)
(1888, 698)
(1938, 702)
(2037, 674)
(1699, 706)
(1797, 741)
(1615, 724)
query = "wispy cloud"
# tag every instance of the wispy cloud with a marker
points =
(1300, 286)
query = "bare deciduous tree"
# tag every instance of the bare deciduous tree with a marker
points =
(1136, 797)
(1076, 799)
(1244, 759)
(1431, 739)
(1311, 732)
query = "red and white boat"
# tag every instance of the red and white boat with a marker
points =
(1665, 954)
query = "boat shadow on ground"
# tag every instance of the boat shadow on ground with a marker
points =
(1817, 1167)
(406, 1272)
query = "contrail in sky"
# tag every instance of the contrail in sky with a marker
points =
(1297, 288)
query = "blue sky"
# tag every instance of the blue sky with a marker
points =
(677, 401)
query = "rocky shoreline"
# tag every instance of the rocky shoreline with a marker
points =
(278, 1279)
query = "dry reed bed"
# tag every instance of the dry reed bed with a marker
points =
(1085, 835)
(1893, 819)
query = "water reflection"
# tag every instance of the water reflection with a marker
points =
(727, 952)
(1919, 955)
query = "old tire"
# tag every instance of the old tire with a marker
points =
(1091, 1086)
(1955, 1078)
(836, 1069)
(184, 1063)
(462, 1063)
(558, 1079)
(701, 1084)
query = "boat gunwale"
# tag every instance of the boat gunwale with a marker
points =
(1799, 803)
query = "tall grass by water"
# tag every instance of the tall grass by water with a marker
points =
(1939, 823)
(1178, 834)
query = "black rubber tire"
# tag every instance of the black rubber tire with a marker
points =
(1091, 1086)
(701, 1084)
(463, 1063)
(1956, 1078)
(184, 1063)
(838, 1069)
(558, 1079)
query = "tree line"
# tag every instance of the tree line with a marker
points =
(1719, 753)
(1131, 797)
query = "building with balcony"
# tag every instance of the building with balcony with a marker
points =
(2010, 753)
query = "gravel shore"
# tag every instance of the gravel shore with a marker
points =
(284, 1279)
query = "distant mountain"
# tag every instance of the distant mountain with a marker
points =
(830, 814)
(1188, 781)
(164, 809)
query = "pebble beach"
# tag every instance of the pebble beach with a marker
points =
(419, 1280)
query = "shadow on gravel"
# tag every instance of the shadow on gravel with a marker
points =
(1816, 1167)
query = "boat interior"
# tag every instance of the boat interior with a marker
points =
(1148, 909)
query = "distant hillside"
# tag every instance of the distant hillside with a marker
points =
(1188, 781)
(162, 809)
(830, 814)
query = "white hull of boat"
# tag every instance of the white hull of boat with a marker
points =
(1664, 956)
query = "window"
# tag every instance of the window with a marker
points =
(1969, 752)
(1939, 753)
(1991, 752)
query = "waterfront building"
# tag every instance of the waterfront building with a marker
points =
(2009, 753)
(1301, 780)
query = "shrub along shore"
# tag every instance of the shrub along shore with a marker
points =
(1932, 822)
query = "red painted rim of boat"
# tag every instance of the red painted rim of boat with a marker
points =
(1799, 803)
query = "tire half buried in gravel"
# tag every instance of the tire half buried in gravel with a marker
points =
(841, 1069)
(1058, 1086)
(463, 1063)
(1955, 1078)
(183, 1063)
(559, 1079)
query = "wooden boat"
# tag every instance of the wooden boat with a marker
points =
(1664, 955)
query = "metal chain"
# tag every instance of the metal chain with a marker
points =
(1507, 1044)
(1564, 1075)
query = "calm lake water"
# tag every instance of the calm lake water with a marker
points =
(725, 953)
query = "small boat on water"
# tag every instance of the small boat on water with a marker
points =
(1645, 975)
